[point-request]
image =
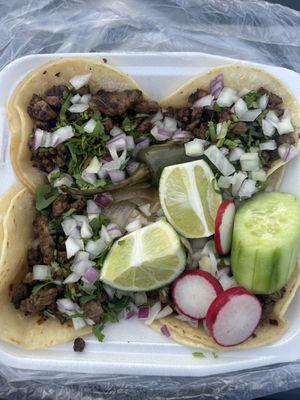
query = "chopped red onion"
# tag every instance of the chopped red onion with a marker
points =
(204, 101)
(115, 131)
(269, 145)
(165, 330)
(78, 108)
(81, 266)
(216, 85)
(143, 312)
(181, 136)
(107, 158)
(66, 180)
(91, 275)
(81, 255)
(103, 199)
(116, 175)
(287, 152)
(224, 151)
(62, 134)
(114, 231)
(38, 138)
(118, 142)
(129, 314)
(160, 134)
(132, 167)
(80, 80)
(141, 145)
(41, 272)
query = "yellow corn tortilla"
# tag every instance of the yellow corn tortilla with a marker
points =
(21, 125)
(17, 212)
(241, 76)
(265, 333)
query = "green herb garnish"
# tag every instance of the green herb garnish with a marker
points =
(45, 195)
(198, 354)
(40, 286)
(212, 131)
(251, 98)
(85, 299)
(62, 115)
(214, 354)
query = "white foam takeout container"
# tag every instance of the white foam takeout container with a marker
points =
(130, 346)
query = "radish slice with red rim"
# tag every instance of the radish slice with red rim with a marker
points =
(224, 226)
(233, 316)
(194, 291)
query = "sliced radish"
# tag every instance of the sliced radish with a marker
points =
(194, 291)
(224, 226)
(233, 316)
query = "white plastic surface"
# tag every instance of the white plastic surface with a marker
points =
(130, 347)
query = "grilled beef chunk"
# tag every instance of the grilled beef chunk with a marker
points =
(239, 128)
(47, 160)
(57, 91)
(146, 124)
(44, 125)
(34, 257)
(274, 100)
(93, 311)
(170, 112)
(21, 292)
(108, 124)
(286, 138)
(39, 109)
(200, 132)
(81, 91)
(79, 344)
(65, 202)
(196, 96)
(39, 301)
(46, 241)
(268, 157)
(115, 103)
(146, 106)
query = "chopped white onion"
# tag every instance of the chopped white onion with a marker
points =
(66, 305)
(90, 178)
(41, 272)
(167, 310)
(170, 124)
(146, 209)
(272, 117)
(116, 175)
(269, 145)
(78, 108)
(130, 142)
(114, 231)
(243, 92)
(116, 131)
(157, 117)
(133, 226)
(66, 180)
(240, 107)
(194, 148)
(80, 219)
(227, 282)
(92, 207)
(140, 298)
(105, 235)
(73, 245)
(94, 166)
(80, 80)
(75, 99)
(249, 162)
(90, 126)
(38, 138)
(219, 160)
(284, 126)
(182, 136)
(227, 97)
(204, 101)
(259, 175)
(85, 98)
(69, 226)
(86, 231)
(268, 127)
(287, 152)
(81, 255)
(118, 142)
(224, 182)
(250, 115)
(263, 101)
(222, 129)
(160, 134)
(131, 167)
(236, 153)
(141, 145)
(95, 247)
(153, 312)
(62, 134)
(78, 323)
(72, 278)
(237, 181)
(248, 188)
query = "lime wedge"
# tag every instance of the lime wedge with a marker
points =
(145, 259)
(189, 198)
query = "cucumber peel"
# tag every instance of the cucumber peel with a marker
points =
(266, 239)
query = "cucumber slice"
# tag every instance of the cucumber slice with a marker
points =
(265, 244)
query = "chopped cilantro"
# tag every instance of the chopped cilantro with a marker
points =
(62, 115)
(82, 184)
(212, 131)
(69, 212)
(97, 222)
(97, 331)
(214, 354)
(70, 292)
(88, 290)
(85, 299)
(121, 242)
(216, 107)
(251, 98)
(42, 285)
(45, 195)
(97, 116)
(199, 354)
(127, 125)
(54, 225)
(231, 144)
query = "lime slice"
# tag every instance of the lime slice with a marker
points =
(145, 259)
(189, 198)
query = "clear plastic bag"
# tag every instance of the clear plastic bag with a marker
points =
(250, 30)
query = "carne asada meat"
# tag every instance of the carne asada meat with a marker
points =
(239, 128)
(39, 301)
(93, 311)
(81, 91)
(115, 103)
(47, 159)
(196, 96)
(146, 106)
(21, 292)
(34, 257)
(39, 109)
(46, 241)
